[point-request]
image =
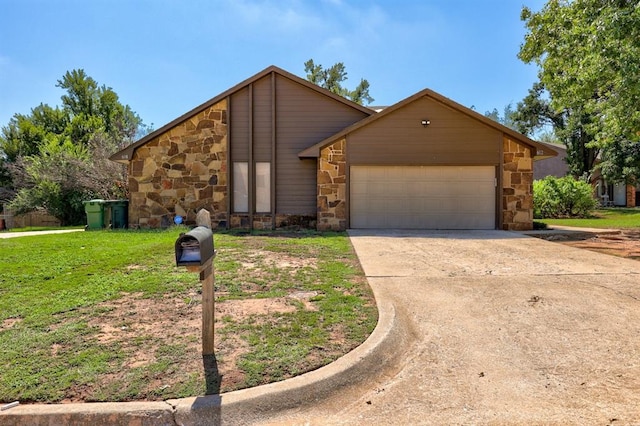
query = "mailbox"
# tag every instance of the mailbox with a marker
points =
(195, 247)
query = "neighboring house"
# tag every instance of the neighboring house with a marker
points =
(277, 150)
(608, 194)
(555, 166)
(618, 194)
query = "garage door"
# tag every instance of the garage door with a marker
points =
(423, 197)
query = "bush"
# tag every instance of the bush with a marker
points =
(562, 197)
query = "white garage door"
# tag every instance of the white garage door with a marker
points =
(423, 197)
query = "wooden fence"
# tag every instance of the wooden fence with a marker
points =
(33, 219)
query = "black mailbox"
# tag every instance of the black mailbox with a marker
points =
(195, 247)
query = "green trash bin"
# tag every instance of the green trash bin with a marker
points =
(95, 213)
(119, 214)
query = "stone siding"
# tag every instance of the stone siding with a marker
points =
(517, 187)
(182, 171)
(291, 221)
(332, 187)
(262, 221)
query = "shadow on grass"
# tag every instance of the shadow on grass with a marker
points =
(212, 376)
(622, 211)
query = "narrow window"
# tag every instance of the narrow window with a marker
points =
(263, 187)
(241, 187)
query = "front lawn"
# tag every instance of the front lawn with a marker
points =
(613, 218)
(106, 316)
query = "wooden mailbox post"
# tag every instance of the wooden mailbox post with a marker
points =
(194, 250)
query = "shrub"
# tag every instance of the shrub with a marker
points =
(562, 197)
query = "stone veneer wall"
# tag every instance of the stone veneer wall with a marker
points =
(243, 220)
(517, 187)
(332, 187)
(182, 171)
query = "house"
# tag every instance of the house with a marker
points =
(617, 194)
(277, 150)
(554, 166)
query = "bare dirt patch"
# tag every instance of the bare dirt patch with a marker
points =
(256, 258)
(9, 323)
(625, 244)
(141, 327)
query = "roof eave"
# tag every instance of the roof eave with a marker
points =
(541, 151)
(126, 154)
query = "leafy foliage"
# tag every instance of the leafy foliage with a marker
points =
(54, 182)
(507, 117)
(332, 79)
(54, 158)
(562, 197)
(588, 52)
(568, 126)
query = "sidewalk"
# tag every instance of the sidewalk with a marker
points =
(34, 233)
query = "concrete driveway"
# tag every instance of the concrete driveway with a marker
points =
(506, 329)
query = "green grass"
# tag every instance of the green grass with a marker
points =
(614, 218)
(54, 289)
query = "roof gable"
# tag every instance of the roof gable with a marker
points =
(542, 151)
(126, 154)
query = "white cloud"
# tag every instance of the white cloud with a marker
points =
(273, 17)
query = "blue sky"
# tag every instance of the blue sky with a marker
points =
(164, 57)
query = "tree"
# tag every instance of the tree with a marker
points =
(26, 133)
(53, 181)
(57, 157)
(332, 79)
(92, 108)
(569, 127)
(507, 116)
(588, 52)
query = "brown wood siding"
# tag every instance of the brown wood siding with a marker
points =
(239, 123)
(400, 139)
(262, 119)
(303, 118)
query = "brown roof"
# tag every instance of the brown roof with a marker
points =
(542, 150)
(126, 154)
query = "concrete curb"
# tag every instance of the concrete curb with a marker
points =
(376, 357)
(105, 413)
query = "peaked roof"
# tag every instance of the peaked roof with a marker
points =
(126, 154)
(542, 150)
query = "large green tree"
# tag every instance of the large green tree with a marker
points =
(332, 79)
(56, 157)
(588, 53)
(535, 114)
